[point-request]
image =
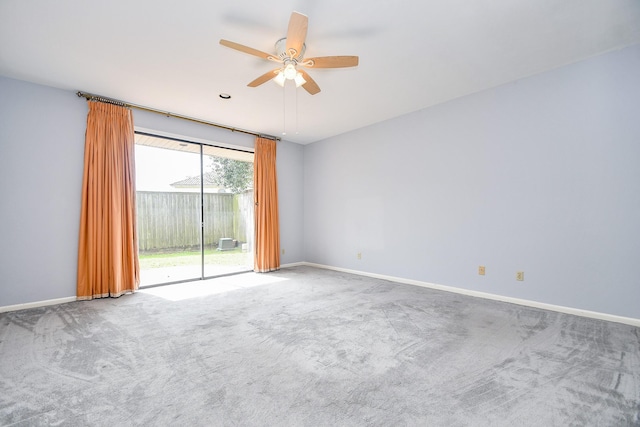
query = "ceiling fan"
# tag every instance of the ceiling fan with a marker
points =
(290, 55)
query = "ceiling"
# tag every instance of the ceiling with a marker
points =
(184, 146)
(413, 54)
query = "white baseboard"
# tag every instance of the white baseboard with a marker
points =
(36, 304)
(561, 309)
(293, 264)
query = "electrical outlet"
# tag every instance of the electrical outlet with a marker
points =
(520, 275)
(283, 252)
(359, 255)
(481, 270)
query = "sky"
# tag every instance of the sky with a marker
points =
(157, 168)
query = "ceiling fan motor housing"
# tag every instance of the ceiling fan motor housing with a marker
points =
(281, 51)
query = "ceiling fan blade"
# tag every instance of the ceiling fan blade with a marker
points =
(310, 86)
(264, 78)
(331, 62)
(249, 50)
(296, 34)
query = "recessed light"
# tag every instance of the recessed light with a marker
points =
(225, 96)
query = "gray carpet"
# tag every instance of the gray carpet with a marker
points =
(313, 348)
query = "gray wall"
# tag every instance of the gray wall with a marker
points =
(41, 161)
(540, 176)
(289, 165)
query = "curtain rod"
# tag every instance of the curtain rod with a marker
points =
(92, 97)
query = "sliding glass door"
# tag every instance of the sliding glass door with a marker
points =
(194, 208)
(228, 211)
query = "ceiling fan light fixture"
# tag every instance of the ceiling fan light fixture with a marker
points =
(290, 72)
(299, 80)
(279, 78)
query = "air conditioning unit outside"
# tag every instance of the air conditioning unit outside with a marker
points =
(226, 243)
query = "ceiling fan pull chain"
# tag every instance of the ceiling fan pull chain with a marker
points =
(284, 110)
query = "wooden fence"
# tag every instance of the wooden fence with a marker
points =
(171, 221)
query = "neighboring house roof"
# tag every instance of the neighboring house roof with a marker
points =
(194, 181)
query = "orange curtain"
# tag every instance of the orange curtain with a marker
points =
(267, 247)
(108, 244)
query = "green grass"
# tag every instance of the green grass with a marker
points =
(211, 256)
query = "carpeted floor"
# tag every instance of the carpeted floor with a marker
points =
(310, 347)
